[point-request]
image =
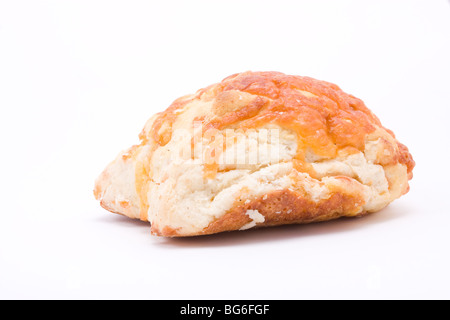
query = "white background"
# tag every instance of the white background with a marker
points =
(78, 80)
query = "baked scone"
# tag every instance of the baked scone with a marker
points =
(257, 149)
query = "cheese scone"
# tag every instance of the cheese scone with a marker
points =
(257, 149)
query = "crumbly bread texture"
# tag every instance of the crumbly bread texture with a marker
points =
(286, 149)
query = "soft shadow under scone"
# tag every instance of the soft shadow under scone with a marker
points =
(329, 157)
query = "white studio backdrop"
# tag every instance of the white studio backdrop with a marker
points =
(78, 80)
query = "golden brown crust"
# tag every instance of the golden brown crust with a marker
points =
(278, 208)
(406, 159)
(325, 118)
